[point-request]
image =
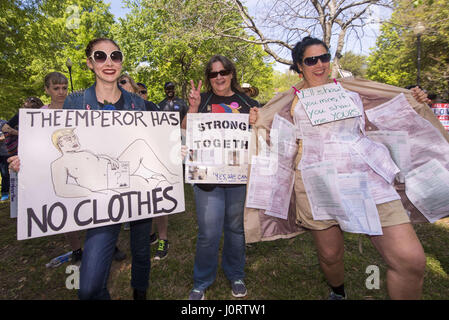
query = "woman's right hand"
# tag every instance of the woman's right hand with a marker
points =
(14, 163)
(195, 96)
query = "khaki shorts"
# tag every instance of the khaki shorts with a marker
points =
(390, 213)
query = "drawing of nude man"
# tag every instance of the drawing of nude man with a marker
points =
(79, 172)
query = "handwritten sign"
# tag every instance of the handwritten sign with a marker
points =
(218, 146)
(87, 168)
(327, 103)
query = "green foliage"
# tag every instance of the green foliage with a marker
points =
(394, 60)
(355, 63)
(166, 41)
(41, 37)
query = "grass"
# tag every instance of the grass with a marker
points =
(284, 269)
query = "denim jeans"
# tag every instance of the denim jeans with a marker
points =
(219, 210)
(5, 174)
(98, 253)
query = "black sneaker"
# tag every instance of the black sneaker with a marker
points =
(162, 250)
(335, 296)
(77, 255)
(153, 238)
(238, 288)
(119, 255)
(139, 294)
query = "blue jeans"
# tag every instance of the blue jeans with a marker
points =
(219, 210)
(98, 253)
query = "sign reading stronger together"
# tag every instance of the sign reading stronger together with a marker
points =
(218, 146)
(82, 169)
(327, 103)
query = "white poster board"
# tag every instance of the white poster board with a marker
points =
(327, 103)
(218, 145)
(82, 169)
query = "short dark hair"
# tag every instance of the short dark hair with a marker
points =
(55, 78)
(300, 48)
(228, 65)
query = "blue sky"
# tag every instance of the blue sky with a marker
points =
(369, 38)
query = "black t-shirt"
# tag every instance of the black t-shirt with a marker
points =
(14, 121)
(237, 103)
(119, 105)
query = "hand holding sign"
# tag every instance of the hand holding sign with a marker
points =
(195, 96)
(253, 115)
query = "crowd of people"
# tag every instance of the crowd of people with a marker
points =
(219, 207)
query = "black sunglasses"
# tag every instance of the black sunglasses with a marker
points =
(311, 61)
(143, 91)
(101, 56)
(123, 81)
(221, 72)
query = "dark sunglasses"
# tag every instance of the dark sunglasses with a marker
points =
(221, 72)
(101, 56)
(143, 91)
(123, 81)
(311, 61)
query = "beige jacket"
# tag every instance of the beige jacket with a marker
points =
(260, 227)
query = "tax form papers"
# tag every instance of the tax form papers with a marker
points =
(342, 197)
(427, 178)
(271, 179)
(345, 174)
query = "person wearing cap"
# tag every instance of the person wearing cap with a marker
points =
(172, 102)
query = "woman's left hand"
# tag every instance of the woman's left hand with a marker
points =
(253, 115)
(420, 95)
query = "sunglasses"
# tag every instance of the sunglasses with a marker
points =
(143, 91)
(221, 73)
(311, 61)
(123, 81)
(101, 56)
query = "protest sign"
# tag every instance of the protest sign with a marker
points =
(218, 148)
(82, 169)
(441, 111)
(327, 103)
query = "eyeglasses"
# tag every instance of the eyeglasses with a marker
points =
(123, 81)
(221, 72)
(101, 56)
(143, 91)
(311, 61)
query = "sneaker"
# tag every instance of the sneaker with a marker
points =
(335, 296)
(139, 294)
(162, 250)
(153, 238)
(196, 294)
(238, 288)
(119, 255)
(5, 197)
(126, 226)
(77, 255)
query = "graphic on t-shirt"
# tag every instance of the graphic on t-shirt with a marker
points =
(224, 108)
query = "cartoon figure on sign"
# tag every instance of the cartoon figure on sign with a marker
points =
(78, 173)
